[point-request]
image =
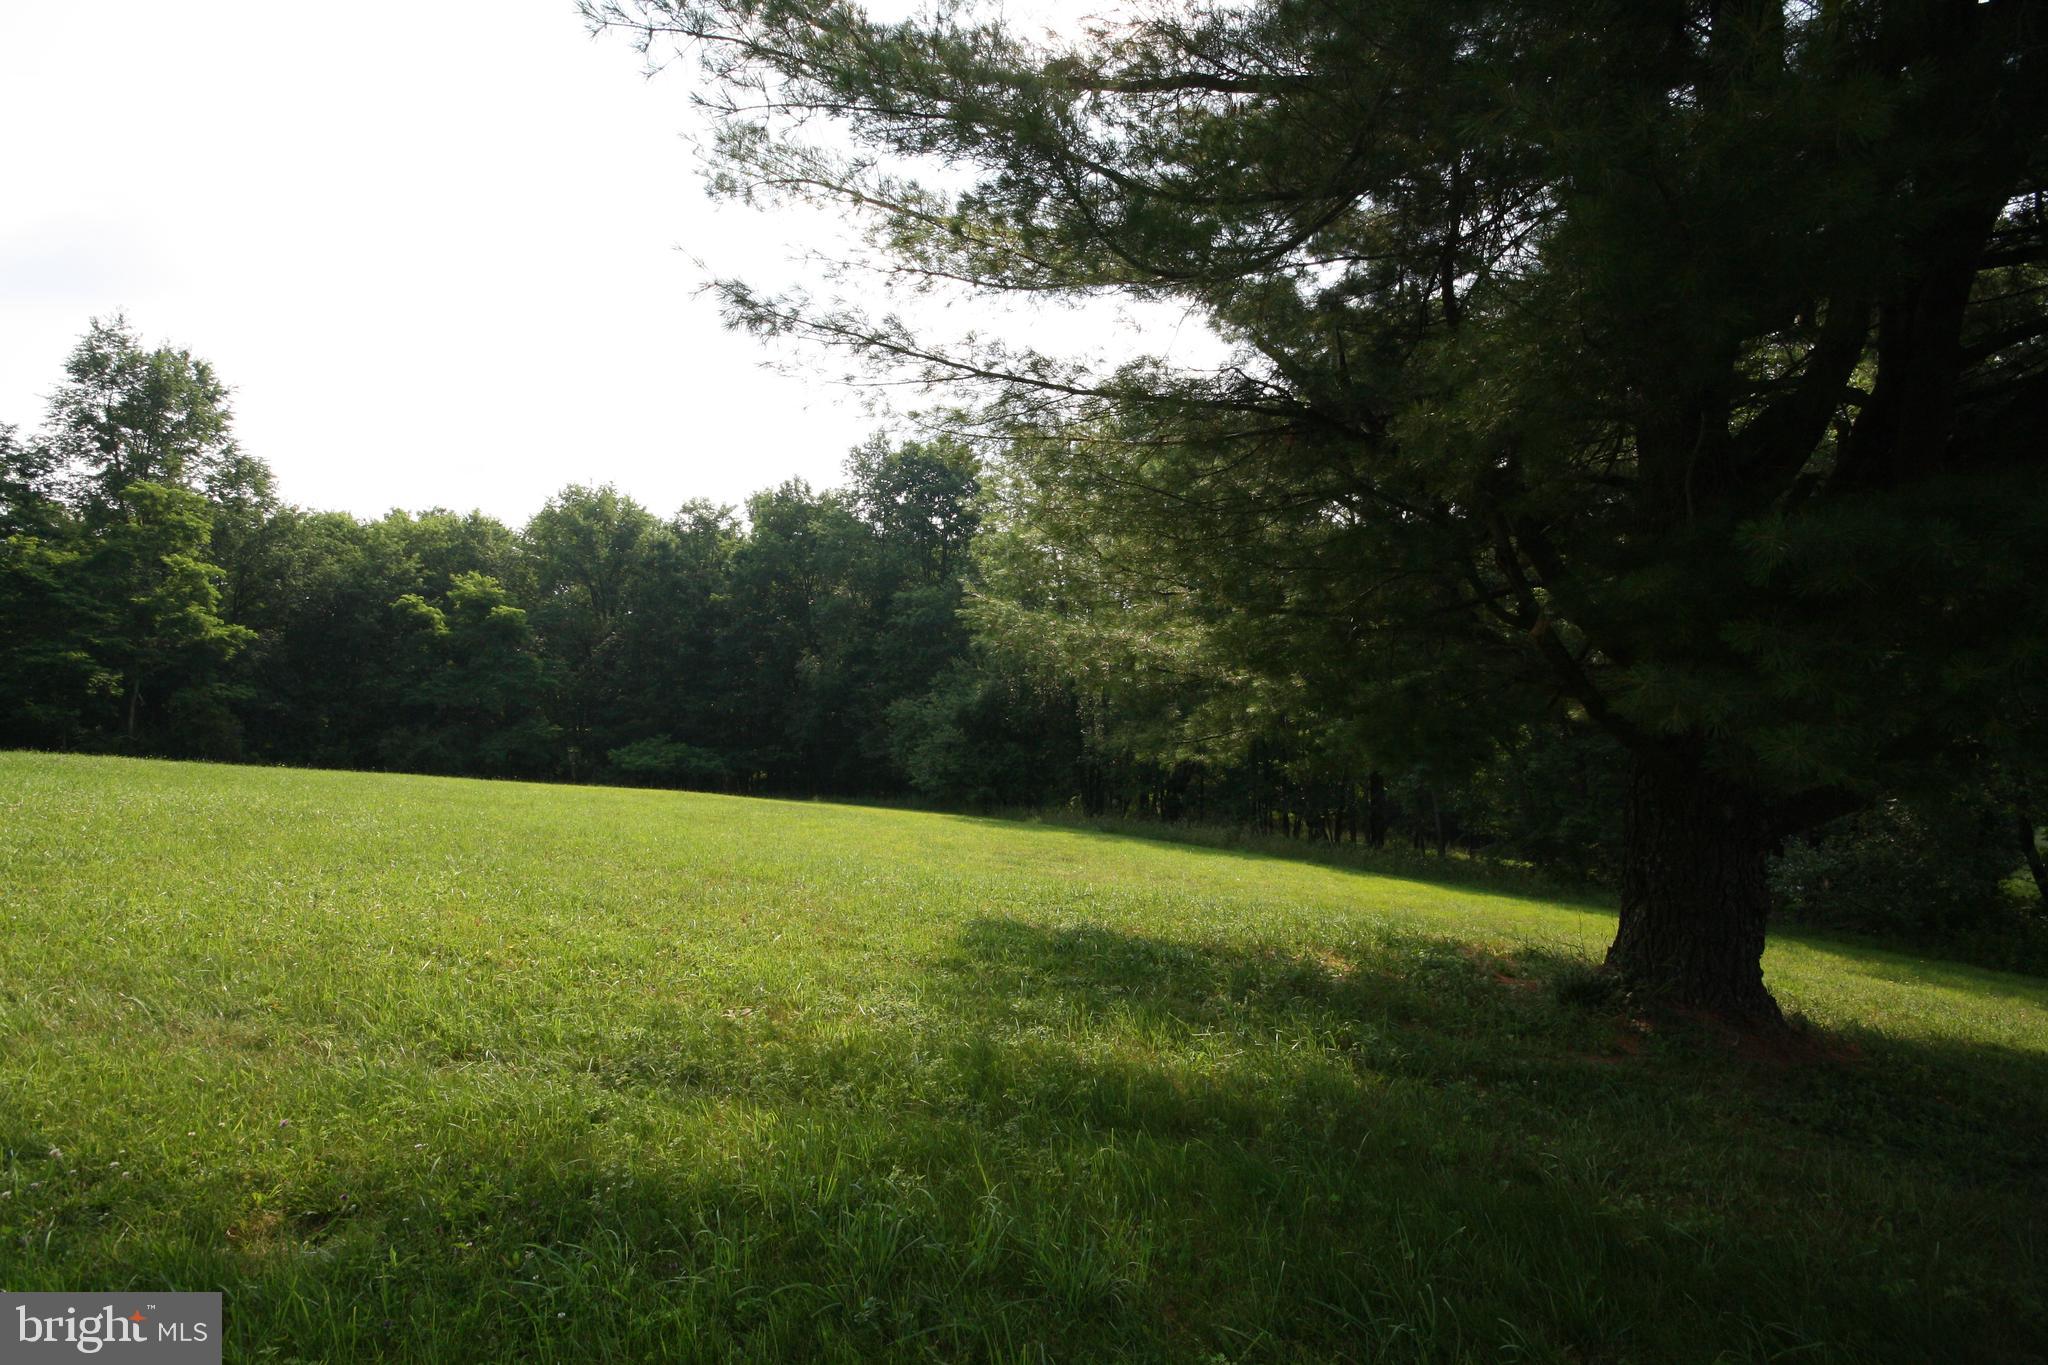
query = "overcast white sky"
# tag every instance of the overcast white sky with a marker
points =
(441, 251)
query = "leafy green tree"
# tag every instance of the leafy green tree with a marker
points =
(28, 501)
(921, 498)
(159, 629)
(669, 762)
(986, 737)
(581, 552)
(677, 619)
(49, 677)
(323, 671)
(920, 502)
(128, 414)
(474, 684)
(1925, 872)
(334, 677)
(1672, 365)
(444, 545)
(242, 509)
(798, 601)
(111, 524)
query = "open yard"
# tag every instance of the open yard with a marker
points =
(436, 1069)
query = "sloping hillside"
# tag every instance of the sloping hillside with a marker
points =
(428, 1068)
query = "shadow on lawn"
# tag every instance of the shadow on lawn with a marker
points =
(1118, 1144)
(1095, 1144)
(1458, 872)
(1480, 877)
(1465, 1023)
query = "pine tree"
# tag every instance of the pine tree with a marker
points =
(1676, 364)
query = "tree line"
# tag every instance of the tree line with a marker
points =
(905, 635)
(161, 599)
(918, 632)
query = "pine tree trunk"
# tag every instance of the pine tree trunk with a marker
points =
(1693, 894)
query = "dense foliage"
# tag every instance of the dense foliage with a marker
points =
(1668, 366)
(902, 637)
(161, 600)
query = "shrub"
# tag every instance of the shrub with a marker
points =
(1924, 873)
(663, 761)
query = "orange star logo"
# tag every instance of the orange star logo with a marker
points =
(136, 1316)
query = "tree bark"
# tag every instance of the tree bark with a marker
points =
(1376, 810)
(1693, 892)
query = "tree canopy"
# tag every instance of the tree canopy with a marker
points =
(1670, 367)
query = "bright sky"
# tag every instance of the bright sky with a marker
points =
(442, 252)
(445, 254)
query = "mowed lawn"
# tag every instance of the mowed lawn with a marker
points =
(416, 1068)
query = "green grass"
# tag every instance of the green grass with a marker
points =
(416, 1068)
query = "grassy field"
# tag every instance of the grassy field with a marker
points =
(415, 1068)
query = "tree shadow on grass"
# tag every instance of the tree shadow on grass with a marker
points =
(1480, 877)
(1088, 1143)
(1439, 1011)
(1863, 957)
(1459, 872)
